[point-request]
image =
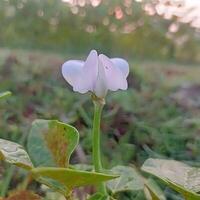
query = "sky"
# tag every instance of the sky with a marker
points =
(188, 13)
(188, 2)
(193, 2)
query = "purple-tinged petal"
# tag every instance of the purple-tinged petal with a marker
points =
(100, 88)
(97, 74)
(81, 75)
(115, 79)
(89, 72)
(71, 71)
(122, 65)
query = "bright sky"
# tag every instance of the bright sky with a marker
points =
(192, 2)
(184, 13)
(188, 2)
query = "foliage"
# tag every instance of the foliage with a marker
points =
(157, 118)
(54, 25)
(54, 140)
(15, 154)
(49, 141)
(71, 178)
(129, 118)
(131, 180)
(4, 94)
(181, 177)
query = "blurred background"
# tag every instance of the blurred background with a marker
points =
(157, 29)
(158, 116)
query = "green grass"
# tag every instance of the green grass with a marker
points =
(139, 123)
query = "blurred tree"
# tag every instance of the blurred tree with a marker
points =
(131, 28)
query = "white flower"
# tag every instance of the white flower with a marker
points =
(97, 74)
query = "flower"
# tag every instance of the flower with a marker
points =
(97, 74)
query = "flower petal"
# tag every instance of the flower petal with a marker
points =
(115, 79)
(89, 72)
(71, 71)
(101, 88)
(81, 75)
(122, 65)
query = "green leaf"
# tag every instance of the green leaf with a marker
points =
(71, 178)
(51, 143)
(129, 180)
(5, 94)
(152, 189)
(53, 184)
(179, 176)
(84, 167)
(14, 153)
(98, 196)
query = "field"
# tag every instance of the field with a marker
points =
(158, 116)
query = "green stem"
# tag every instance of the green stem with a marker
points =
(7, 181)
(98, 106)
(69, 196)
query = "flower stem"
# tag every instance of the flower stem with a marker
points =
(96, 142)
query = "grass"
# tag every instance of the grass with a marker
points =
(142, 122)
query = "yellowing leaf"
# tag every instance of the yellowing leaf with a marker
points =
(51, 143)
